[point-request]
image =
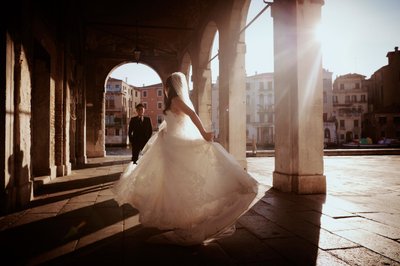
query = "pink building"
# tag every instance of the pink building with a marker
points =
(153, 99)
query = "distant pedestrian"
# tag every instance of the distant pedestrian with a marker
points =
(140, 131)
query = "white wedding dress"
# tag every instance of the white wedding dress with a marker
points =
(187, 185)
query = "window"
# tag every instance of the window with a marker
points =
(354, 98)
(382, 120)
(357, 85)
(159, 119)
(334, 99)
(325, 97)
(159, 105)
(247, 100)
(342, 86)
(262, 117)
(111, 103)
(327, 133)
(261, 85)
(117, 132)
(269, 85)
(144, 93)
(325, 116)
(356, 123)
(347, 99)
(270, 99)
(145, 105)
(270, 118)
(363, 98)
(159, 93)
(341, 123)
(261, 99)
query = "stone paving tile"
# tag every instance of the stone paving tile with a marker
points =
(327, 240)
(374, 227)
(361, 256)
(377, 243)
(31, 218)
(70, 207)
(53, 207)
(262, 227)
(325, 222)
(306, 230)
(244, 248)
(8, 220)
(106, 191)
(335, 211)
(390, 219)
(298, 251)
(100, 234)
(52, 254)
(344, 205)
(89, 197)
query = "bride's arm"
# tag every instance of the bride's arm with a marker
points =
(178, 104)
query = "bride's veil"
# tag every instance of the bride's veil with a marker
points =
(180, 84)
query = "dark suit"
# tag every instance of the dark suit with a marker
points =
(139, 133)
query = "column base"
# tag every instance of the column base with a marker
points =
(300, 184)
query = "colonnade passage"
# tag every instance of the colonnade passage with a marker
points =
(57, 57)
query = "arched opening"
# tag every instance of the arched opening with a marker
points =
(327, 134)
(214, 66)
(260, 89)
(126, 86)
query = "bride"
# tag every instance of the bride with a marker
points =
(185, 183)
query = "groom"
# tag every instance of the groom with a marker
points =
(139, 132)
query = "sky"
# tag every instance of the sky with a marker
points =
(355, 37)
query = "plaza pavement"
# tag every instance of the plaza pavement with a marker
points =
(73, 220)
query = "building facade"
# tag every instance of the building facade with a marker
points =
(383, 118)
(153, 99)
(350, 103)
(260, 109)
(330, 135)
(120, 99)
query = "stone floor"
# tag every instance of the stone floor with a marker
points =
(74, 220)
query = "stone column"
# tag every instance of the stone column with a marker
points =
(298, 98)
(203, 93)
(232, 98)
(95, 111)
(80, 136)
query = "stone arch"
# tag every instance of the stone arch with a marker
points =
(119, 64)
(202, 76)
(186, 63)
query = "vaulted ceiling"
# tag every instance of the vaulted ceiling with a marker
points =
(114, 29)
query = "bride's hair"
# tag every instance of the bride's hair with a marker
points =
(171, 93)
(176, 85)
